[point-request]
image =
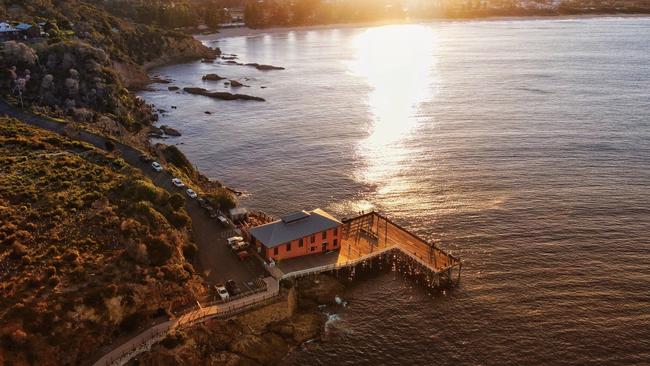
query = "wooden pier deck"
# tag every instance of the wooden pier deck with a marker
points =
(372, 232)
(369, 236)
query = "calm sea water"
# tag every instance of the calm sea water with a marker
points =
(522, 146)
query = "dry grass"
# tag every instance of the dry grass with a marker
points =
(89, 248)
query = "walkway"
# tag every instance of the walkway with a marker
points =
(143, 341)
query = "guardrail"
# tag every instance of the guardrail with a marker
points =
(334, 266)
(146, 339)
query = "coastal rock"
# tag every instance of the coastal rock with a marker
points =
(169, 131)
(236, 84)
(230, 62)
(267, 349)
(160, 80)
(207, 112)
(155, 131)
(212, 77)
(263, 67)
(221, 95)
(172, 88)
(321, 289)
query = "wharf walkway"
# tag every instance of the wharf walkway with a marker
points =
(143, 341)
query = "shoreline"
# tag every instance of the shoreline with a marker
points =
(251, 32)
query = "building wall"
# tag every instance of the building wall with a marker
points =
(332, 239)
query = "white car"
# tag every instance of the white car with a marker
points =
(239, 246)
(235, 239)
(232, 240)
(222, 220)
(223, 293)
(156, 166)
(178, 183)
(191, 193)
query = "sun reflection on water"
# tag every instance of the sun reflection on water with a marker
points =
(397, 62)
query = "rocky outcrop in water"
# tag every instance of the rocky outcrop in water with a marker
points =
(172, 88)
(212, 77)
(236, 84)
(262, 67)
(169, 131)
(222, 95)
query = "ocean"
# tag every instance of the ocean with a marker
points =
(522, 146)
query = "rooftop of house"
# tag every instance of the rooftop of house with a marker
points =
(294, 226)
(6, 27)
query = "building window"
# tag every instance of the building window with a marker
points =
(300, 243)
(275, 251)
(336, 232)
(288, 247)
(313, 238)
(313, 248)
(336, 242)
(324, 234)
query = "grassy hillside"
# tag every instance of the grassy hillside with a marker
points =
(89, 248)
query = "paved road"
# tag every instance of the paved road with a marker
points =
(214, 259)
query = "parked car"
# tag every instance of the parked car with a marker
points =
(156, 166)
(191, 193)
(232, 288)
(223, 220)
(239, 246)
(223, 293)
(178, 183)
(201, 202)
(234, 239)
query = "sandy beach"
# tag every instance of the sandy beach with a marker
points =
(250, 32)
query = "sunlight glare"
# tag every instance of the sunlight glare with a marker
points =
(397, 62)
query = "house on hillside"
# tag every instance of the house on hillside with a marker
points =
(8, 32)
(297, 234)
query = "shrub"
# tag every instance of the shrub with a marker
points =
(173, 339)
(54, 280)
(176, 201)
(71, 256)
(174, 156)
(18, 250)
(139, 190)
(137, 251)
(160, 251)
(188, 268)
(131, 322)
(179, 219)
(223, 199)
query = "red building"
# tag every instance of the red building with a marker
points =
(297, 234)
